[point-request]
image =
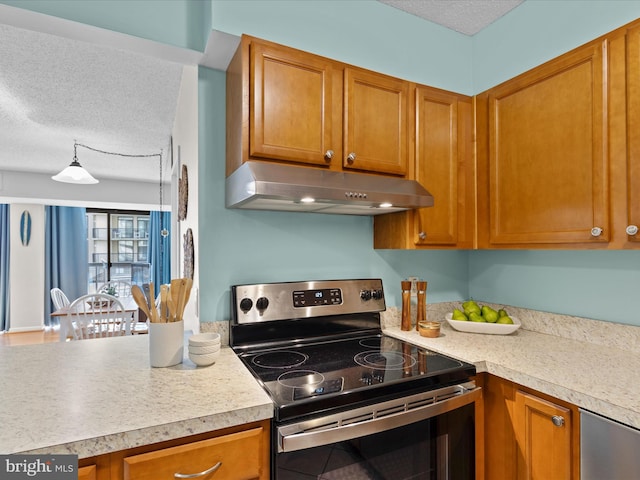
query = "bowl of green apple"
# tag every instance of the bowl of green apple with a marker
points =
(474, 318)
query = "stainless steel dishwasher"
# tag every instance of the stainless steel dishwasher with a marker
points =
(608, 449)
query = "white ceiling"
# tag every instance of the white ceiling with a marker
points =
(464, 16)
(56, 89)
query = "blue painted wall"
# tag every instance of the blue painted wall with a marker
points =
(539, 30)
(181, 23)
(241, 247)
(365, 33)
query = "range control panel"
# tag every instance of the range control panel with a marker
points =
(317, 297)
(292, 300)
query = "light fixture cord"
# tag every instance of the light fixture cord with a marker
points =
(163, 233)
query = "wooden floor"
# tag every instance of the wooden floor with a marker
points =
(29, 338)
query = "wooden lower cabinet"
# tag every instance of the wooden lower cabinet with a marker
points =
(224, 457)
(87, 473)
(238, 453)
(527, 434)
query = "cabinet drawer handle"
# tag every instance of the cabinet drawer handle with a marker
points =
(558, 420)
(632, 229)
(351, 157)
(596, 231)
(422, 235)
(201, 474)
(329, 154)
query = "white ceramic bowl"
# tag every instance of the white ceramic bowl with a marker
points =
(204, 339)
(483, 327)
(197, 350)
(204, 359)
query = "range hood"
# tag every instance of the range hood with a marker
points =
(271, 186)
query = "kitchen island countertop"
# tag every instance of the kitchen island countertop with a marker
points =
(98, 396)
(595, 377)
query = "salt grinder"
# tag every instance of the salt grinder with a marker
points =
(421, 314)
(406, 305)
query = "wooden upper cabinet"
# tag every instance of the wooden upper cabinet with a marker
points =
(286, 105)
(290, 105)
(632, 181)
(376, 131)
(444, 165)
(437, 166)
(548, 156)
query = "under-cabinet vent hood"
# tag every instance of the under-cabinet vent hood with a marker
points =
(270, 186)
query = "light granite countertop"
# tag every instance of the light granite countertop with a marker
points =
(97, 396)
(590, 363)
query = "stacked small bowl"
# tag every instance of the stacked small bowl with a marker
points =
(204, 348)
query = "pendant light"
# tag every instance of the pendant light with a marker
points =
(74, 173)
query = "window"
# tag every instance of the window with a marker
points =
(118, 244)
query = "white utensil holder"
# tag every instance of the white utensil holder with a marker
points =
(166, 343)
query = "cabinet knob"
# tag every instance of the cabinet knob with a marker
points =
(329, 154)
(351, 157)
(596, 231)
(558, 420)
(199, 474)
(632, 229)
(422, 235)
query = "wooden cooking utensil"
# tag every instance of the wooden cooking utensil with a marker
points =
(141, 300)
(181, 296)
(164, 293)
(147, 291)
(151, 299)
(188, 286)
(171, 308)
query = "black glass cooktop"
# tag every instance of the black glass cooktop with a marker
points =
(305, 378)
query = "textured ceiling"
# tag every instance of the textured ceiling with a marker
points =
(464, 16)
(54, 91)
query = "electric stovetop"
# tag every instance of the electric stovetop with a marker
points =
(325, 374)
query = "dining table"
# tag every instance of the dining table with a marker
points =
(132, 317)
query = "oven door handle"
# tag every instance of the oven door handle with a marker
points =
(374, 418)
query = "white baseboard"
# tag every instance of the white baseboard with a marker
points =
(25, 329)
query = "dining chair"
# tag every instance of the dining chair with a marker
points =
(59, 299)
(99, 315)
(121, 287)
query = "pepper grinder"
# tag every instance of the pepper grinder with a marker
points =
(421, 314)
(406, 305)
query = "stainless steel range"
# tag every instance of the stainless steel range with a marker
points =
(368, 405)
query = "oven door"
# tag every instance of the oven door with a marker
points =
(425, 436)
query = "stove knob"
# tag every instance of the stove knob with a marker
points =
(377, 294)
(246, 304)
(262, 303)
(365, 295)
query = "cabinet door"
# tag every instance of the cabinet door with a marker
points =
(376, 122)
(633, 105)
(87, 473)
(444, 166)
(437, 166)
(548, 153)
(233, 456)
(543, 435)
(291, 105)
